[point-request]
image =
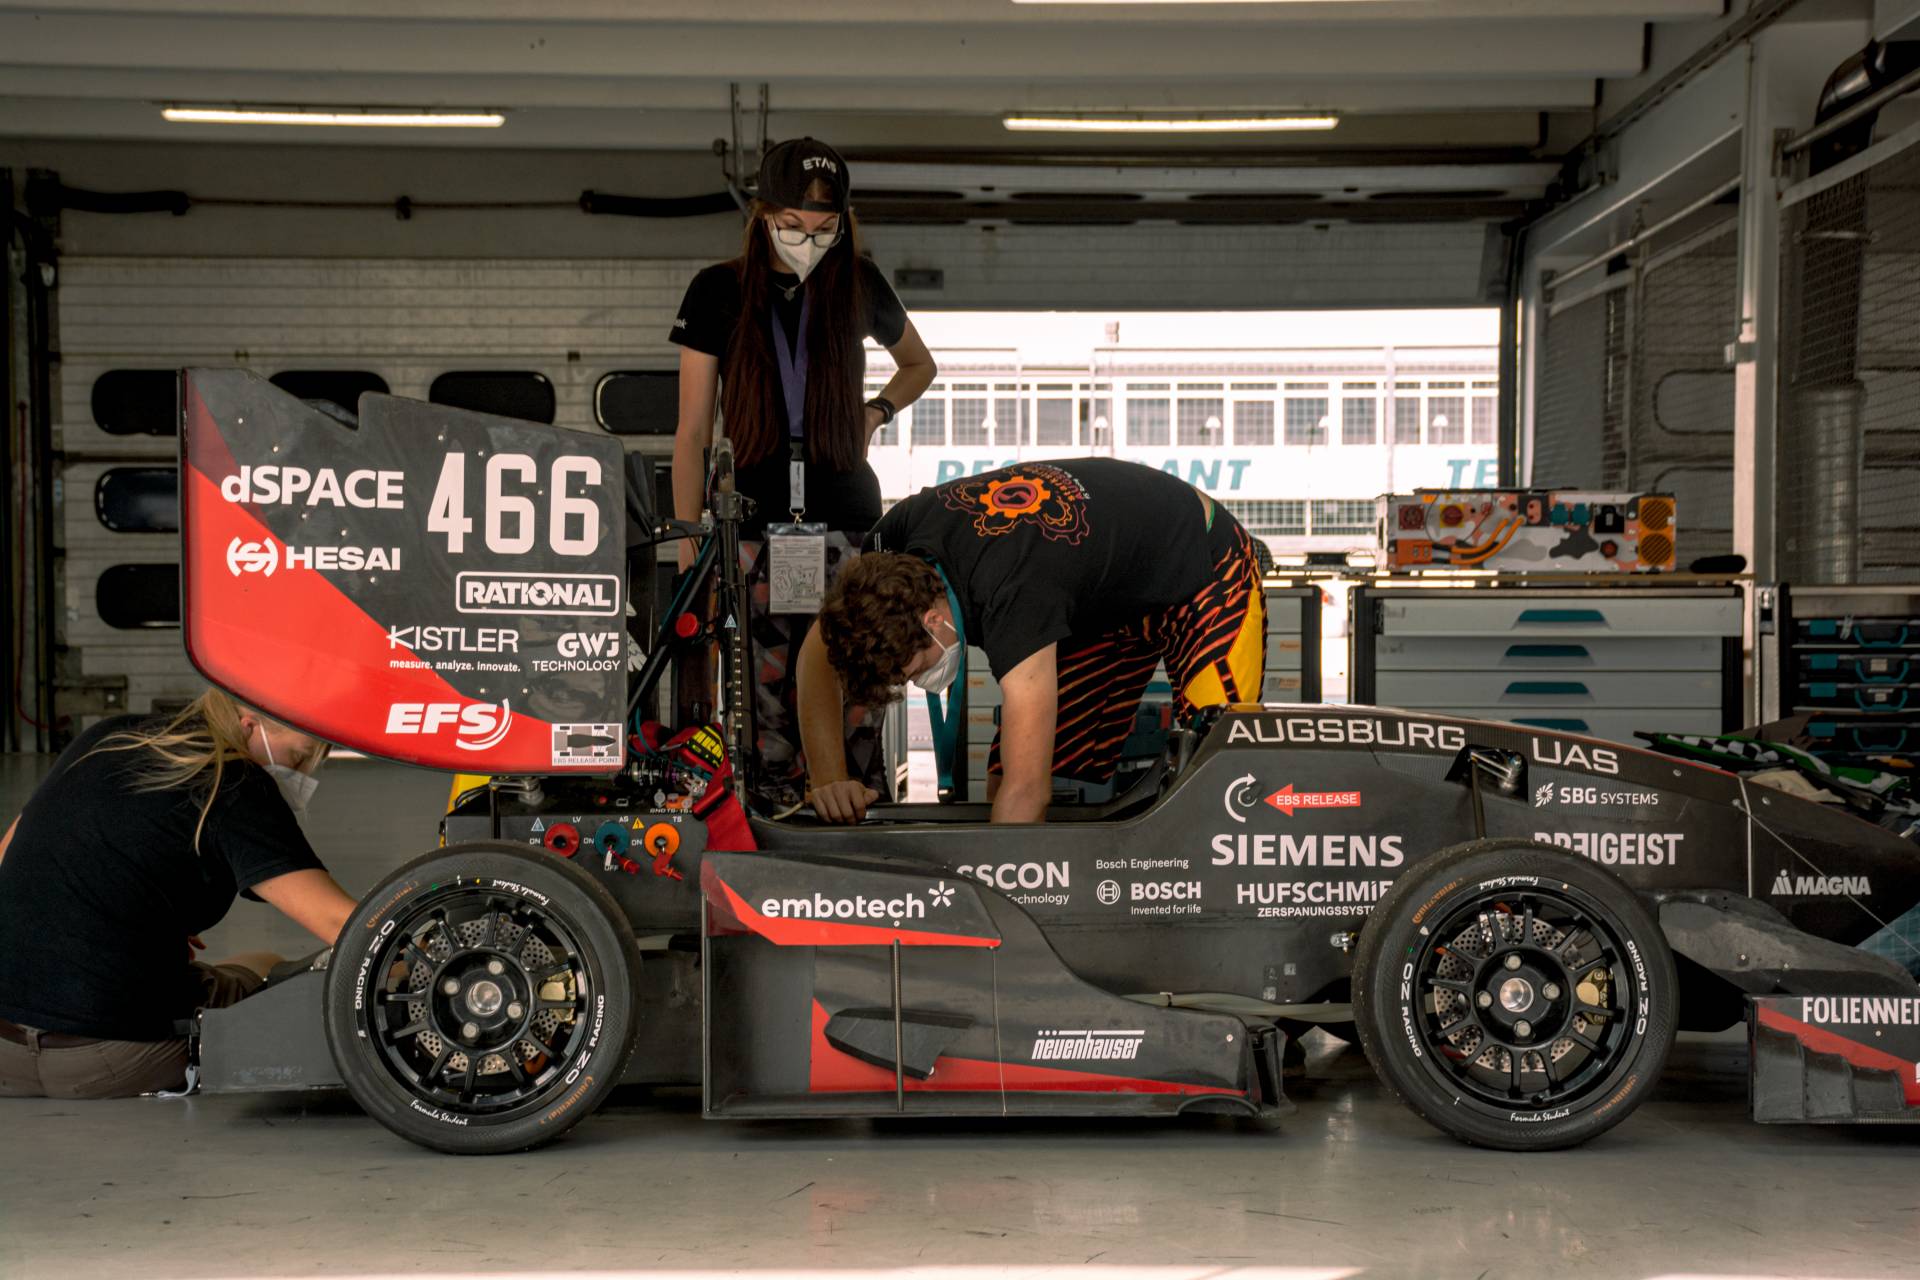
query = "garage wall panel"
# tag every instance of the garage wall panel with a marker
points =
(1161, 267)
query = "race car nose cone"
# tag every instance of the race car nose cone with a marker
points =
(1516, 995)
(485, 998)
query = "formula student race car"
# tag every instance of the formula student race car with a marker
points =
(1512, 922)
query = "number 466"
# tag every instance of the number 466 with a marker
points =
(512, 519)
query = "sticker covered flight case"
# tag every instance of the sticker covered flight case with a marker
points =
(1528, 531)
(439, 587)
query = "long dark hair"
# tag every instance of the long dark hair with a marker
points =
(836, 356)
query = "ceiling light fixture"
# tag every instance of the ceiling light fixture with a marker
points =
(1169, 124)
(353, 117)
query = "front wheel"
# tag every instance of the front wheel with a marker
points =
(482, 999)
(1515, 995)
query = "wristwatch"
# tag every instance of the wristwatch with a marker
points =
(885, 406)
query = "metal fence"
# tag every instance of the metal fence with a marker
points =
(1848, 450)
(1634, 391)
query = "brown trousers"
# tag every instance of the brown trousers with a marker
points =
(114, 1068)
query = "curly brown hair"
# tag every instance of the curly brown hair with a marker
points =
(871, 623)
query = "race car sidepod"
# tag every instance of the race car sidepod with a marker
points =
(847, 985)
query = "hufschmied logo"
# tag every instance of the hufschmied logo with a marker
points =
(1086, 1046)
(563, 594)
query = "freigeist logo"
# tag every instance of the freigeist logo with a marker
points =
(1087, 1046)
(1286, 799)
(1819, 886)
(477, 726)
(563, 594)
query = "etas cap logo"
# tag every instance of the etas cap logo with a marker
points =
(789, 168)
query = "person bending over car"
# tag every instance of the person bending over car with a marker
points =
(137, 841)
(1077, 578)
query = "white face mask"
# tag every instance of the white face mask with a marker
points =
(938, 676)
(296, 788)
(801, 258)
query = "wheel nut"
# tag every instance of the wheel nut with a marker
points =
(1513, 962)
(516, 1010)
(495, 968)
(1523, 1029)
(451, 987)
(1486, 999)
(470, 1030)
(1551, 991)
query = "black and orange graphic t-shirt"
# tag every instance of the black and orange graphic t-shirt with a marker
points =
(1042, 551)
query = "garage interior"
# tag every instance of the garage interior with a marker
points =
(1697, 220)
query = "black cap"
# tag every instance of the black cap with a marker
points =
(789, 168)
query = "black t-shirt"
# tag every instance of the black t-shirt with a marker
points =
(846, 500)
(101, 888)
(1042, 551)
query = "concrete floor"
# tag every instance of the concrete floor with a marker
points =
(1352, 1185)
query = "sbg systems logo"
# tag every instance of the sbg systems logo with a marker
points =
(1543, 795)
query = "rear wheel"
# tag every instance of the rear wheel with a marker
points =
(482, 999)
(1515, 995)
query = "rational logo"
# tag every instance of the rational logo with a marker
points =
(1786, 886)
(1286, 799)
(552, 594)
(1087, 1046)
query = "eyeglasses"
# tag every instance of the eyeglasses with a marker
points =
(797, 236)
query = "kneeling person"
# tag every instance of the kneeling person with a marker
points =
(1077, 578)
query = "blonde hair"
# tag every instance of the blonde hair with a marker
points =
(190, 752)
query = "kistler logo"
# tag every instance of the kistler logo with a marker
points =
(551, 594)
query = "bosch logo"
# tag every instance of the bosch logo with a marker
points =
(252, 557)
(477, 726)
(1108, 892)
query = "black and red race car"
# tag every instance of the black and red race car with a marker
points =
(1511, 922)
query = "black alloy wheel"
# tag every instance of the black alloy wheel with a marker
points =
(482, 999)
(1515, 995)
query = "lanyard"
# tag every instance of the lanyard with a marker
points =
(792, 359)
(941, 719)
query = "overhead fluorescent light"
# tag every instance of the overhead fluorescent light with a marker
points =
(1168, 124)
(369, 118)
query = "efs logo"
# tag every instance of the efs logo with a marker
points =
(478, 726)
(252, 557)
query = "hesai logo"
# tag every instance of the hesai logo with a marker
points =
(1785, 886)
(252, 557)
(477, 726)
(1087, 1046)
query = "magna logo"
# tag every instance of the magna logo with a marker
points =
(1087, 1046)
(1286, 799)
(265, 557)
(477, 726)
(1786, 886)
(553, 594)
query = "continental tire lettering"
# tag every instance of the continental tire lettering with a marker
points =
(1428, 905)
(1618, 1097)
(387, 906)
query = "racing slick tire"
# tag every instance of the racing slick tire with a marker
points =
(1515, 995)
(482, 999)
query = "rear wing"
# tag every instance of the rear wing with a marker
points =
(434, 586)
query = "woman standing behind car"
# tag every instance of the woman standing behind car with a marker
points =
(136, 842)
(775, 339)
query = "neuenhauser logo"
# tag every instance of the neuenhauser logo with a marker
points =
(562, 594)
(1785, 886)
(1086, 1046)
